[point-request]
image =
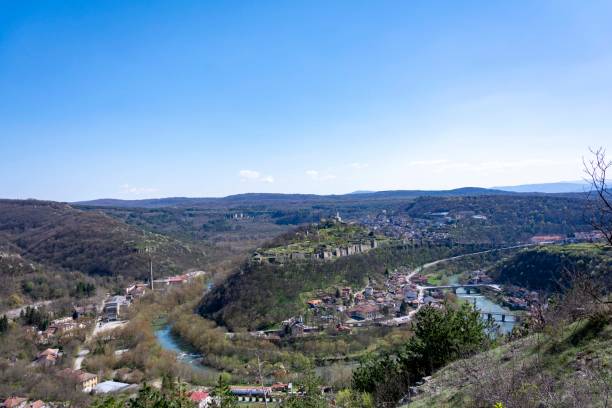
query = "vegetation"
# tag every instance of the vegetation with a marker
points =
(547, 268)
(261, 295)
(61, 237)
(566, 363)
(329, 234)
(440, 336)
(509, 218)
(173, 394)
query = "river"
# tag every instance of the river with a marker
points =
(486, 305)
(184, 353)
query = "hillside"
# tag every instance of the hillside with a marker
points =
(546, 268)
(505, 219)
(60, 237)
(570, 368)
(284, 199)
(258, 295)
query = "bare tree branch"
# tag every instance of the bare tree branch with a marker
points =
(600, 196)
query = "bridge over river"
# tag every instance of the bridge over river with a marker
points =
(487, 308)
(496, 287)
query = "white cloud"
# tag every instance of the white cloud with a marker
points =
(249, 174)
(433, 162)
(357, 165)
(128, 189)
(253, 175)
(318, 176)
(313, 174)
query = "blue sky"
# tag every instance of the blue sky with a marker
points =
(195, 98)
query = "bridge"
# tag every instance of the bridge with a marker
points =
(496, 287)
(500, 316)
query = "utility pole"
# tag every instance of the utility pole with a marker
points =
(149, 250)
(261, 380)
(151, 265)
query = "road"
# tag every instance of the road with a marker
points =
(79, 360)
(102, 327)
(419, 269)
(14, 313)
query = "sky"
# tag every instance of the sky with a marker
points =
(139, 99)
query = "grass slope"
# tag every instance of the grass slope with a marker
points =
(571, 367)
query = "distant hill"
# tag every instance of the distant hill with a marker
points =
(508, 219)
(283, 199)
(560, 187)
(61, 237)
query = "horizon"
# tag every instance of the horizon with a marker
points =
(139, 101)
(583, 183)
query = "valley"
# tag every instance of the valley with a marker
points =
(239, 293)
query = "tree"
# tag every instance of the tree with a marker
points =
(223, 397)
(403, 308)
(174, 396)
(354, 399)
(440, 336)
(310, 397)
(4, 324)
(600, 196)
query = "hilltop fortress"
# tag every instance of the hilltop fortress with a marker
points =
(326, 241)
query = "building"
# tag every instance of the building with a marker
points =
(364, 312)
(135, 291)
(83, 380)
(47, 357)
(115, 307)
(410, 295)
(314, 303)
(200, 398)
(546, 239)
(251, 390)
(346, 293)
(15, 402)
(107, 387)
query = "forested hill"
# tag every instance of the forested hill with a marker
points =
(506, 219)
(257, 296)
(272, 199)
(548, 268)
(58, 236)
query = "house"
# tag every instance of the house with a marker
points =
(368, 292)
(343, 329)
(314, 303)
(345, 293)
(135, 291)
(410, 295)
(281, 387)
(364, 312)
(37, 404)
(47, 357)
(86, 310)
(15, 402)
(427, 300)
(83, 380)
(200, 398)
(546, 239)
(115, 307)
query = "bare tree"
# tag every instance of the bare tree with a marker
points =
(600, 196)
